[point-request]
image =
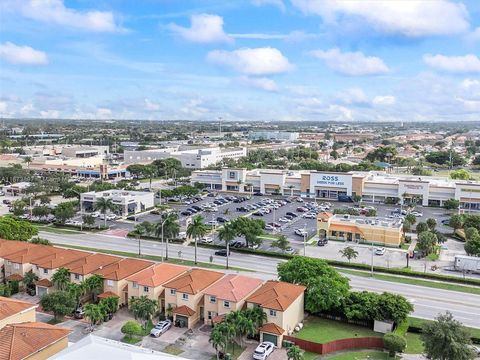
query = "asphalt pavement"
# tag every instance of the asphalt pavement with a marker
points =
(428, 302)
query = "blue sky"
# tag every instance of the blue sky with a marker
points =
(351, 60)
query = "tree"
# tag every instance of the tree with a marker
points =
(281, 243)
(76, 291)
(421, 227)
(104, 205)
(171, 229)
(325, 287)
(131, 328)
(349, 253)
(427, 242)
(94, 313)
(64, 211)
(456, 221)
(149, 172)
(60, 303)
(394, 344)
(19, 207)
(143, 308)
(61, 278)
(251, 229)
(218, 340)
(382, 153)
(472, 245)
(412, 219)
(88, 220)
(40, 241)
(227, 233)
(109, 304)
(294, 353)
(443, 158)
(407, 226)
(40, 211)
(446, 339)
(94, 285)
(16, 229)
(460, 174)
(135, 170)
(393, 307)
(29, 281)
(431, 223)
(44, 199)
(451, 204)
(196, 230)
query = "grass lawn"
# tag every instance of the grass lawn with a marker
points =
(361, 355)
(310, 356)
(416, 322)
(55, 230)
(415, 281)
(54, 321)
(172, 350)
(131, 339)
(324, 330)
(152, 257)
(235, 354)
(414, 343)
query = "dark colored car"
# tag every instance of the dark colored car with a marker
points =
(7, 202)
(289, 213)
(257, 194)
(345, 198)
(221, 219)
(221, 252)
(198, 208)
(322, 242)
(218, 202)
(186, 213)
(242, 209)
(237, 244)
(258, 213)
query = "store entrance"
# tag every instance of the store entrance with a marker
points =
(330, 194)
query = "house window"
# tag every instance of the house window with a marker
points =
(211, 315)
(45, 271)
(213, 299)
(77, 277)
(145, 289)
(232, 175)
(109, 282)
(185, 296)
(134, 285)
(273, 312)
(16, 266)
(226, 304)
(173, 291)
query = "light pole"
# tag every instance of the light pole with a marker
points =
(371, 270)
(304, 239)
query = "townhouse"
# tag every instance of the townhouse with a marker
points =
(16, 311)
(8, 247)
(83, 268)
(284, 305)
(149, 282)
(185, 298)
(115, 277)
(46, 266)
(226, 295)
(20, 262)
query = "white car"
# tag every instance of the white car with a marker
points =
(380, 251)
(207, 240)
(161, 328)
(301, 232)
(182, 235)
(95, 214)
(283, 220)
(263, 350)
(309, 216)
(269, 227)
(111, 217)
(212, 222)
(417, 213)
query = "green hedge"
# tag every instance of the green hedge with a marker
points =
(152, 238)
(415, 325)
(355, 266)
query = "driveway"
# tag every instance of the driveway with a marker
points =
(111, 329)
(277, 354)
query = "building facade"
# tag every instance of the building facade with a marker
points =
(372, 186)
(128, 202)
(273, 135)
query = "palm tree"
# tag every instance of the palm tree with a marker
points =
(349, 253)
(61, 279)
(27, 160)
(217, 339)
(245, 327)
(103, 205)
(143, 308)
(196, 230)
(94, 285)
(258, 316)
(294, 353)
(28, 280)
(77, 291)
(171, 229)
(94, 313)
(227, 233)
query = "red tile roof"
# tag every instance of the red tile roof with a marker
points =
(107, 294)
(10, 246)
(20, 341)
(233, 287)
(157, 275)
(272, 328)
(60, 258)
(14, 277)
(194, 281)
(30, 253)
(44, 283)
(276, 295)
(10, 307)
(122, 269)
(184, 310)
(91, 263)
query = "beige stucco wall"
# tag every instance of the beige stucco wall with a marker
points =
(153, 292)
(293, 315)
(116, 288)
(192, 302)
(79, 280)
(25, 316)
(50, 350)
(21, 270)
(218, 308)
(41, 272)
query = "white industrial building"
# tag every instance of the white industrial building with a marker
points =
(273, 135)
(128, 202)
(190, 158)
(372, 186)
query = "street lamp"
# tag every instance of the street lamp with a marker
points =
(304, 239)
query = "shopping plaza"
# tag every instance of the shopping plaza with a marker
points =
(372, 186)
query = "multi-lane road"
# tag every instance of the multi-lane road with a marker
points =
(428, 302)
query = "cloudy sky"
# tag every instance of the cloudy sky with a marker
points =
(350, 60)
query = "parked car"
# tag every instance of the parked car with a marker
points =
(237, 244)
(417, 213)
(322, 242)
(258, 213)
(283, 220)
(206, 240)
(309, 216)
(269, 227)
(263, 350)
(222, 252)
(301, 232)
(212, 222)
(95, 214)
(380, 251)
(291, 214)
(242, 209)
(186, 213)
(79, 313)
(274, 224)
(7, 202)
(161, 328)
(301, 209)
(257, 194)
(221, 219)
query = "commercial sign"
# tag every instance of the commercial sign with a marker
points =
(340, 181)
(334, 180)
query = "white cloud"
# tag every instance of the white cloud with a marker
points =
(22, 55)
(293, 36)
(257, 61)
(49, 114)
(204, 28)
(151, 106)
(55, 12)
(278, 3)
(353, 96)
(457, 64)
(103, 113)
(259, 83)
(412, 18)
(351, 63)
(384, 100)
(3, 107)
(474, 35)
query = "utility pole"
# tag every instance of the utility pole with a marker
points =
(371, 270)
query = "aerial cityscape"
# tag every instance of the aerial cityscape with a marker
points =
(245, 179)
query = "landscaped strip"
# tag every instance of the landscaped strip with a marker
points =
(153, 258)
(415, 281)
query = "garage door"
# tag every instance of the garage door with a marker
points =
(41, 291)
(182, 320)
(271, 338)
